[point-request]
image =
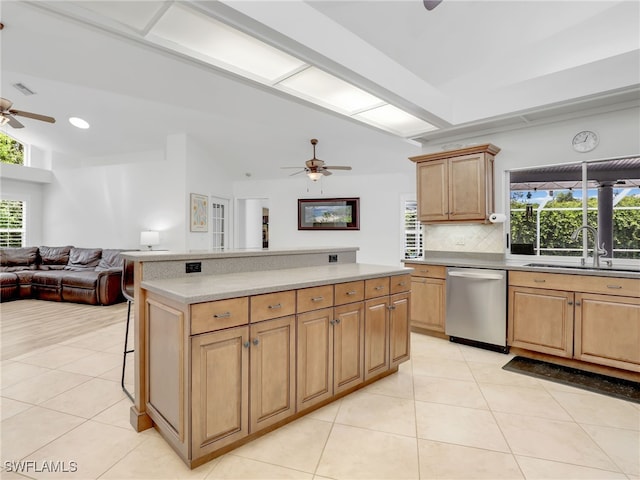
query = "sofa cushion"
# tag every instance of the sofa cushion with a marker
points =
(14, 259)
(8, 279)
(82, 279)
(54, 258)
(110, 260)
(52, 278)
(83, 259)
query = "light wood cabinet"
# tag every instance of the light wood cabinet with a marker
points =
(576, 317)
(399, 331)
(272, 371)
(222, 372)
(428, 297)
(457, 185)
(607, 330)
(220, 389)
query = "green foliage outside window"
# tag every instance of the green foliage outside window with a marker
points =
(11, 151)
(556, 226)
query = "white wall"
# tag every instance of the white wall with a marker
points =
(379, 237)
(107, 202)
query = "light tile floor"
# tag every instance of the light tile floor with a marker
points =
(449, 413)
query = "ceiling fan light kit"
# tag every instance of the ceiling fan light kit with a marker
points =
(316, 168)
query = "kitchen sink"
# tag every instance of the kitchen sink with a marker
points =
(585, 267)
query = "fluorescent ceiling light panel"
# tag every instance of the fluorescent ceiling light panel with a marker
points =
(323, 88)
(392, 118)
(221, 45)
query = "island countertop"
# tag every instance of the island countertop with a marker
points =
(205, 288)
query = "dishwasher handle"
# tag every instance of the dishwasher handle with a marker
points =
(475, 275)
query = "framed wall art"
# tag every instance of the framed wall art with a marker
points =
(199, 213)
(329, 214)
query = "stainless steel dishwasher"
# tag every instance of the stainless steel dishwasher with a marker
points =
(477, 307)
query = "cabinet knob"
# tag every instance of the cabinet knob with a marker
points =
(337, 321)
(247, 344)
(256, 341)
(570, 302)
(391, 307)
(578, 304)
(222, 315)
(332, 322)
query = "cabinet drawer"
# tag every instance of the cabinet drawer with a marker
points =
(314, 298)
(400, 283)
(431, 271)
(376, 287)
(209, 316)
(349, 292)
(272, 305)
(576, 283)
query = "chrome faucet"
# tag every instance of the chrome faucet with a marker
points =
(598, 251)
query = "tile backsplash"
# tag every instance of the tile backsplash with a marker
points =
(465, 238)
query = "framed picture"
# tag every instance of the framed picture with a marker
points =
(329, 214)
(199, 213)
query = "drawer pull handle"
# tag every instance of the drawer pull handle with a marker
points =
(402, 284)
(537, 280)
(352, 292)
(317, 299)
(425, 270)
(256, 341)
(379, 287)
(222, 315)
(614, 286)
(422, 280)
(277, 305)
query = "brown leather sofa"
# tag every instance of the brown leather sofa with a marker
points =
(61, 274)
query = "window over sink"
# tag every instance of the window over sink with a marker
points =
(547, 204)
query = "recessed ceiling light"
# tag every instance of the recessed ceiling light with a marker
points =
(79, 122)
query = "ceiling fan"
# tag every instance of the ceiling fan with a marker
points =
(8, 114)
(315, 168)
(431, 4)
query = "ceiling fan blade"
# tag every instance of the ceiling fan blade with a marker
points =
(13, 122)
(325, 172)
(35, 116)
(297, 173)
(338, 167)
(431, 4)
(289, 167)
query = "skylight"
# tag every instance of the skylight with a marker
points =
(199, 36)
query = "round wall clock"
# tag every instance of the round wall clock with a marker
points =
(585, 141)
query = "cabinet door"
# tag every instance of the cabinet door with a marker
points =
(376, 336)
(348, 346)
(608, 330)
(272, 371)
(220, 389)
(467, 192)
(315, 357)
(428, 300)
(399, 333)
(433, 196)
(541, 320)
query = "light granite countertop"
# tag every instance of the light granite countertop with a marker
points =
(167, 255)
(205, 288)
(621, 269)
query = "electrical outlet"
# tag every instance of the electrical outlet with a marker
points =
(333, 258)
(459, 240)
(193, 267)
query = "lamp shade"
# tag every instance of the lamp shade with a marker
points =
(149, 238)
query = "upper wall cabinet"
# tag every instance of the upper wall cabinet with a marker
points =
(456, 185)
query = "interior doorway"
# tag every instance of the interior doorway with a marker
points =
(251, 230)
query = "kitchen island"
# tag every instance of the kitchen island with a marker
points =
(224, 358)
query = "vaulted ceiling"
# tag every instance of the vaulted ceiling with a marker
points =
(465, 67)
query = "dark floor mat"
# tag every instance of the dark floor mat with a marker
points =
(594, 382)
